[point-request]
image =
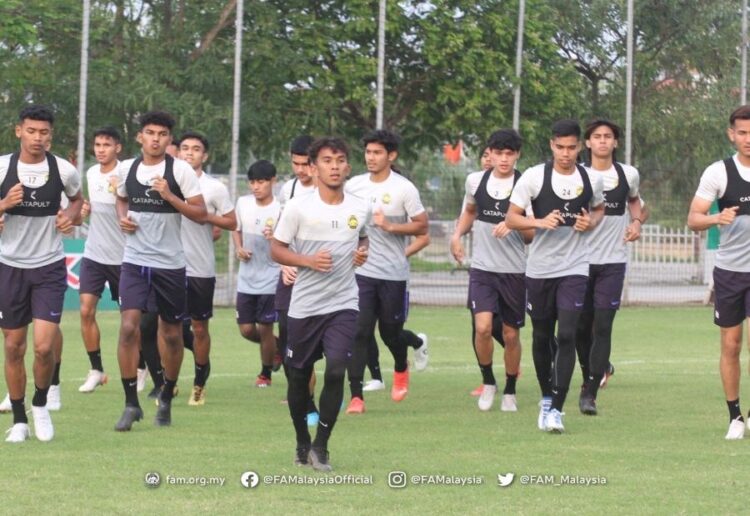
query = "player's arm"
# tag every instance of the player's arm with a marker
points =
(281, 254)
(587, 221)
(227, 221)
(417, 225)
(700, 220)
(241, 253)
(216, 233)
(127, 225)
(85, 210)
(517, 219)
(417, 244)
(70, 216)
(638, 216)
(193, 207)
(362, 251)
(463, 226)
(12, 199)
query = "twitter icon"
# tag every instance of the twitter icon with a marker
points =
(505, 480)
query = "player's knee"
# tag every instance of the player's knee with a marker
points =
(248, 332)
(128, 329)
(511, 337)
(298, 377)
(566, 337)
(483, 329)
(88, 313)
(14, 350)
(43, 351)
(335, 371)
(200, 331)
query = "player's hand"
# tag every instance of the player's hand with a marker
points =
(727, 215)
(243, 254)
(551, 221)
(2, 223)
(379, 219)
(360, 256)
(321, 261)
(457, 250)
(633, 231)
(501, 230)
(85, 209)
(583, 221)
(288, 275)
(162, 186)
(13, 198)
(63, 223)
(128, 225)
(268, 231)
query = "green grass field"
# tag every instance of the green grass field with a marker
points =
(658, 440)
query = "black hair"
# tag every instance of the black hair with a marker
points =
(192, 135)
(300, 145)
(333, 143)
(599, 122)
(741, 113)
(109, 132)
(385, 138)
(505, 139)
(161, 118)
(566, 127)
(37, 112)
(261, 169)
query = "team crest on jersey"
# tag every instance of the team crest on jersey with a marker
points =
(386, 198)
(579, 191)
(352, 222)
(269, 222)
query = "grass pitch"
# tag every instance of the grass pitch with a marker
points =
(657, 443)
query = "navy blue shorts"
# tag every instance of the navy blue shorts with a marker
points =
(545, 296)
(311, 338)
(283, 295)
(255, 308)
(200, 298)
(94, 275)
(500, 293)
(731, 297)
(37, 293)
(169, 286)
(387, 299)
(604, 288)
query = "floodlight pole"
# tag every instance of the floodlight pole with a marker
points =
(236, 106)
(381, 65)
(743, 78)
(629, 88)
(519, 66)
(83, 88)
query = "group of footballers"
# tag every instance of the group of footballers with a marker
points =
(328, 261)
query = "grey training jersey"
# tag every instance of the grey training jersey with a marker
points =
(198, 239)
(105, 242)
(562, 251)
(399, 200)
(157, 242)
(489, 253)
(607, 240)
(31, 242)
(312, 225)
(734, 239)
(259, 275)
